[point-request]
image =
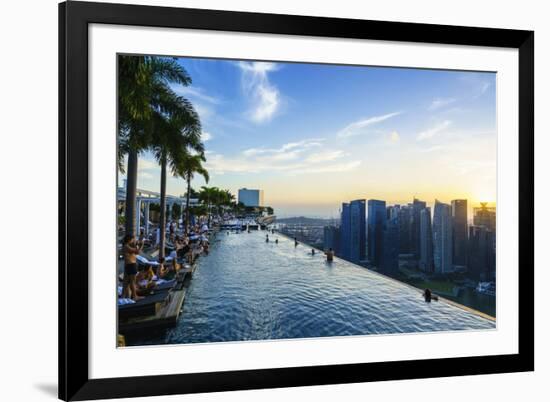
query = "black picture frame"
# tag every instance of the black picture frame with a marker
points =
(74, 18)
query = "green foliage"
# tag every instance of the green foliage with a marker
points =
(175, 211)
(143, 92)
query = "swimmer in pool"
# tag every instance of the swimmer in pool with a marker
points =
(330, 255)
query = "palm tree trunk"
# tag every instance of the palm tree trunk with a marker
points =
(187, 217)
(162, 207)
(131, 189)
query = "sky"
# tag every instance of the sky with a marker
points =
(315, 135)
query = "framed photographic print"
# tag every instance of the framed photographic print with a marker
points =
(257, 200)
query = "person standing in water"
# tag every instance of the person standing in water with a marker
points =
(276, 241)
(330, 255)
(267, 238)
(295, 242)
(427, 295)
(312, 251)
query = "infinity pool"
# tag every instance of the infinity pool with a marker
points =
(247, 289)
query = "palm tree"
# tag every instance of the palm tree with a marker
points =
(178, 132)
(142, 89)
(190, 165)
(229, 198)
(208, 195)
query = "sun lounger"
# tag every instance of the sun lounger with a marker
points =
(144, 261)
(144, 307)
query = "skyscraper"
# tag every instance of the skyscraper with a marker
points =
(485, 216)
(417, 206)
(393, 211)
(251, 197)
(390, 247)
(443, 238)
(426, 241)
(405, 229)
(481, 253)
(376, 226)
(460, 231)
(345, 232)
(358, 235)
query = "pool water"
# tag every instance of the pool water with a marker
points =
(247, 289)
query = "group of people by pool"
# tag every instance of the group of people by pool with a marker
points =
(142, 275)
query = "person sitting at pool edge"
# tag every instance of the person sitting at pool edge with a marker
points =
(145, 280)
(428, 296)
(161, 269)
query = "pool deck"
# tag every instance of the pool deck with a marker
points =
(168, 312)
(166, 316)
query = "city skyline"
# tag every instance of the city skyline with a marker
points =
(409, 236)
(312, 135)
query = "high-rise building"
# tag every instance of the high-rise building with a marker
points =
(331, 238)
(417, 206)
(443, 238)
(345, 232)
(405, 229)
(251, 197)
(390, 247)
(481, 253)
(426, 241)
(393, 211)
(460, 231)
(485, 216)
(376, 226)
(358, 235)
(353, 231)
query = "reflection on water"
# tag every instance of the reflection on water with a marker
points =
(247, 289)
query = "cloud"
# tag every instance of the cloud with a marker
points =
(438, 103)
(292, 158)
(265, 97)
(359, 127)
(325, 156)
(331, 168)
(204, 111)
(194, 93)
(300, 145)
(203, 103)
(147, 164)
(145, 175)
(430, 133)
(206, 136)
(483, 87)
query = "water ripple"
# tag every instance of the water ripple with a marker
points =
(247, 289)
